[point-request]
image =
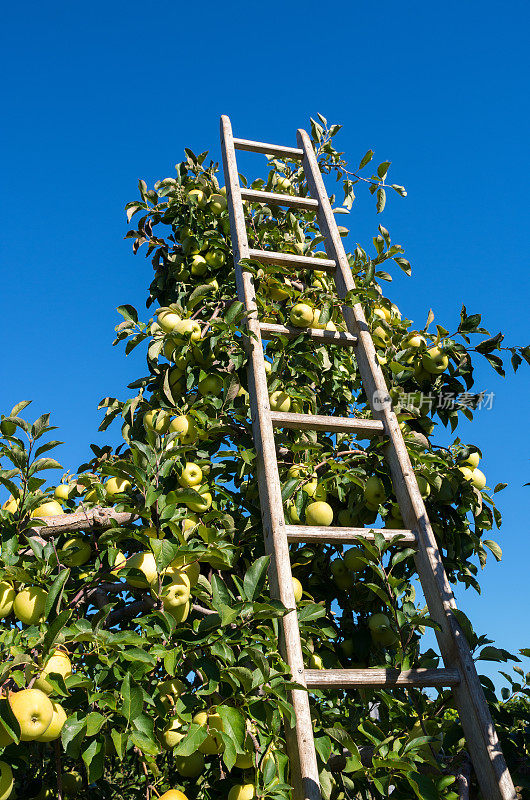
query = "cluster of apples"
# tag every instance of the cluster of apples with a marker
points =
(471, 473)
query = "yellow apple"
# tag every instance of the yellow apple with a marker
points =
(279, 401)
(315, 661)
(145, 562)
(7, 598)
(11, 505)
(156, 420)
(213, 744)
(33, 711)
(319, 513)
(6, 780)
(242, 791)
(62, 492)
(283, 184)
(199, 266)
(217, 204)
(50, 508)
(414, 340)
(215, 258)
(314, 489)
(301, 315)
(188, 329)
(189, 767)
(478, 479)
(176, 794)
(179, 613)
(184, 427)
(382, 313)
(58, 663)
(197, 197)
(380, 336)
(169, 690)
(117, 485)
(172, 734)
(29, 604)
(190, 476)
(200, 506)
(75, 551)
(119, 562)
(53, 731)
(424, 486)
(298, 590)
(168, 320)
(472, 460)
(177, 593)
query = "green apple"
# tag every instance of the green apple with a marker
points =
(211, 385)
(434, 361)
(215, 258)
(242, 791)
(7, 598)
(354, 559)
(29, 605)
(341, 575)
(7, 780)
(190, 476)
(33, 711)
(169, 690)
(315, 661)
(297, 589)
(72, 783)
(7, 427)
(374, 492)
(188, 767)
(217, 204)
(50, 508)
(167, 319)
(145, 563)
(424, 486)
(346, 518)
(53, 731)
(199, 266)
(381, 630)
(190, 246)
(319, 514)
(279, 401)
(156, 420)
(301, 315)
(382, 313)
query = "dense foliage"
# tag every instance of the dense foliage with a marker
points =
(161, 625)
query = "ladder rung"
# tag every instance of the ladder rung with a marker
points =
(269, 149)
(268, 330)
(314, 422)
(291, 260)
(336, 535)
(279, 199)
(350, 678)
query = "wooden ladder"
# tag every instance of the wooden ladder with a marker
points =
(459, 672)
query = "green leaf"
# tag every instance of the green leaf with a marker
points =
(494, 547)
(94, 757)
(120, 742)
(165, 552)
(366, 159)
(382, 169)
(73, 729)
(233, 725)
(55, 590)
(381, 200)
(195, 736)
(255, 577)
(132, 699)
(145, 743)
(234, 311)
(44, 463)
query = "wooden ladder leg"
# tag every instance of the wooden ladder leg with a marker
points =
(490, 767)
(300, 742)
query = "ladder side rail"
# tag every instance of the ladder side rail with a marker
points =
(490, 766)
(301, 747)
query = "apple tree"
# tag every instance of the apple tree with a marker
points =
(139, 640)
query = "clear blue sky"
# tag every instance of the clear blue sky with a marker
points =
(96, 95)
